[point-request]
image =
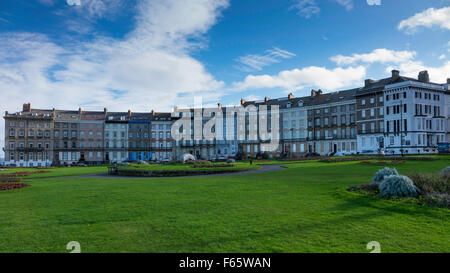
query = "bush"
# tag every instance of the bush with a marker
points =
(381, 174)
(398, 186)
(432, 183)
(446, 171)
(438, 199)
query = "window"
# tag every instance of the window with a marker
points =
(372, 100)
(363, 113)
(12, 132)
(11, 156)
(363, 102)
(11, 145)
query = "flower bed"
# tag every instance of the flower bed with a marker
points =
(173, 173)
(12, 186)
(382, 162)
(348, 159)
(431, 189)
(22, 173)
(212, 166)
(10, 179)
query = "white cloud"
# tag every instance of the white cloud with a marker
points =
(309, 76)
(428, 18)
(150, 68)
(348, 4)
(257, 62)
(70, 2)
(412, 69)
(381, 55)
(374, 2)
(442, 57)
(306, 8)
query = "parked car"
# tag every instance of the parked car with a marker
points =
(312, 154)
(369, 152)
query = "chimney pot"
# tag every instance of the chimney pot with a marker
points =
(153, 112)
(26, 107)
(448, 80)
(105, 111)
(395, 75)
(129, 112)
(266, 99)
(243, 101)
(313, 93)
(290, 96)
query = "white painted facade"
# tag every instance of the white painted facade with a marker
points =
(416, 117)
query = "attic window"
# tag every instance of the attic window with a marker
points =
(288, 105)
(300, 103)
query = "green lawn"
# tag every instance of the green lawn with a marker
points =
(57, 172)
(304, 208)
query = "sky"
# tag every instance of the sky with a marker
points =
(156, 54)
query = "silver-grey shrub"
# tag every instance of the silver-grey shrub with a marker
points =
(381, 174)
(446, 171)
(398, 186)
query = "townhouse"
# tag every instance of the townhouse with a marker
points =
(394, 115)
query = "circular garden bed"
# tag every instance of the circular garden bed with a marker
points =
(173, 170)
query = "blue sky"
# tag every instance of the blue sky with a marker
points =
(154, 54)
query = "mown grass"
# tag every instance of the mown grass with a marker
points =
(304, 208)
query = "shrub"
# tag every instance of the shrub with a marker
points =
(381, 174)
(432, 183)
(446, 171)
(438, 199)
(398, 186)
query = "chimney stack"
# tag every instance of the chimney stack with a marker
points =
(129, 112)
(105, 111)
(153, 112)
(395, 75)
(368, 82)
(26, 107)
(219, 105)
(319, 92)
(290, 96)
(448, 80)
(80, 111)
(6, 113)
(313, 93)
(424, 77)
(266, 99)
(243, 101)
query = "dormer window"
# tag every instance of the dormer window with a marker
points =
(289, 105)
(300, 103)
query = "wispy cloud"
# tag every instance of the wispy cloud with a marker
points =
(347, 4)
(306, 8)
(428, 18)
(258, 62)
(374, 2)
